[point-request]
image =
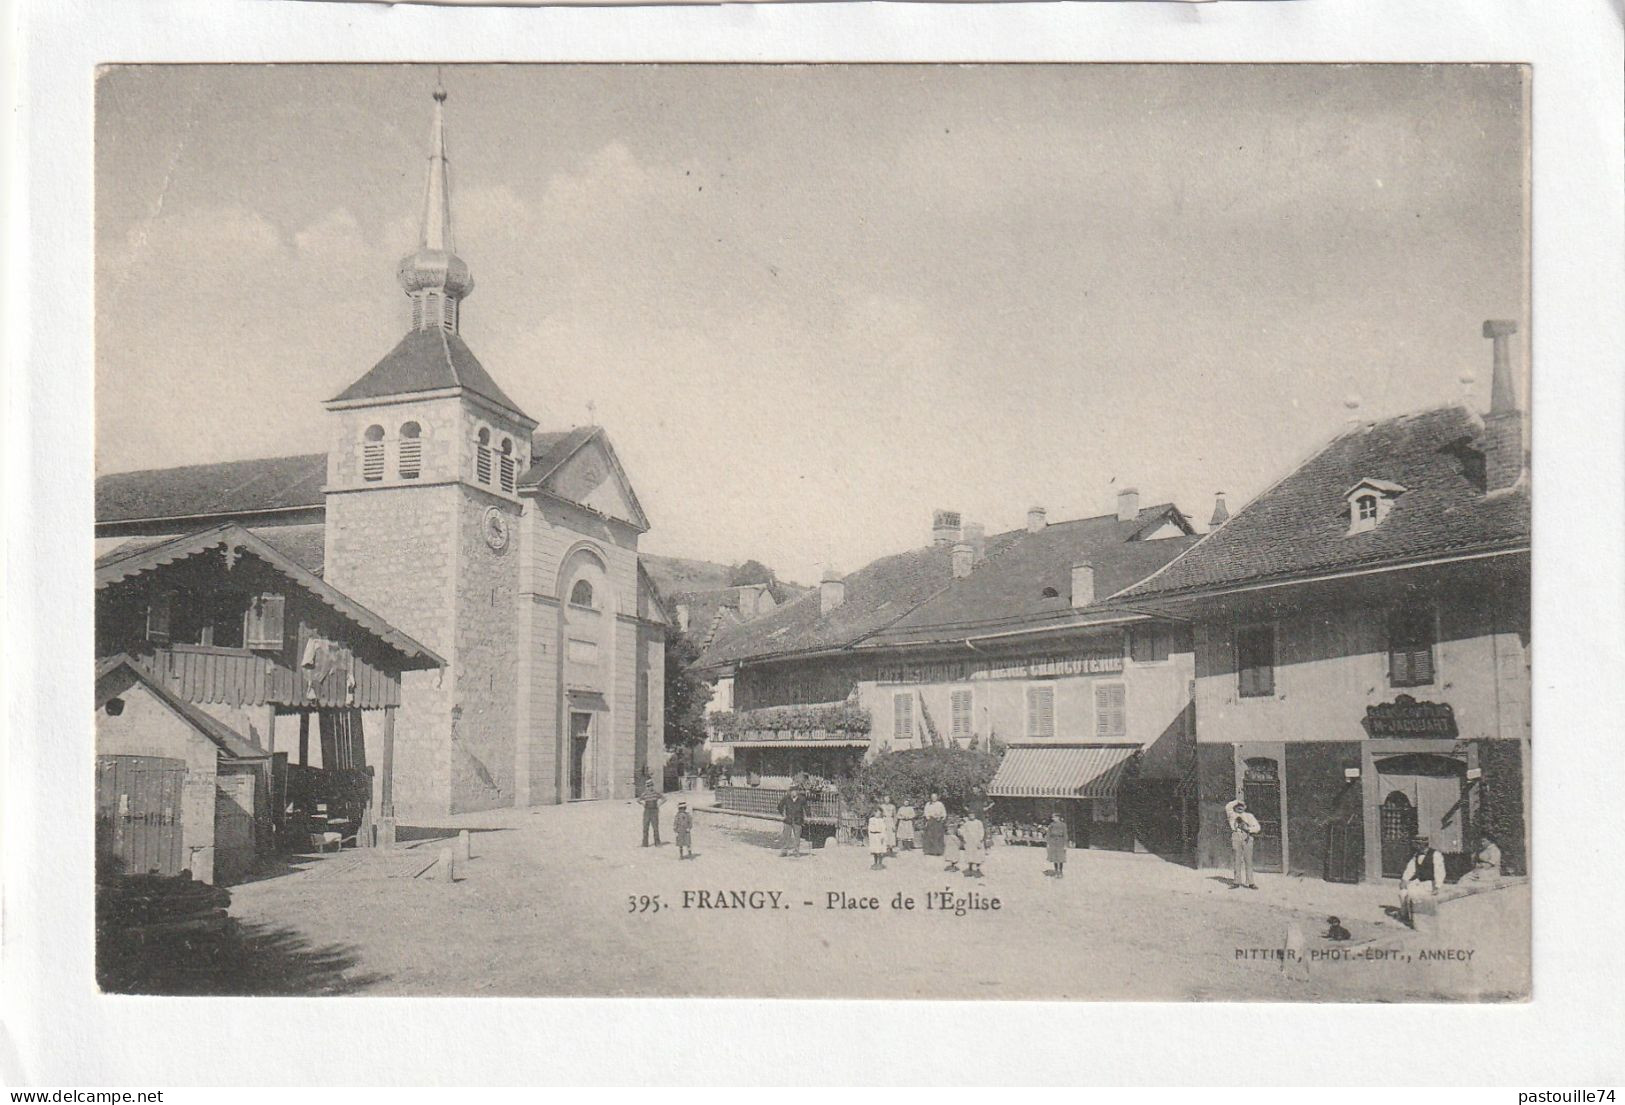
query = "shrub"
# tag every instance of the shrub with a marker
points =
(911, 775)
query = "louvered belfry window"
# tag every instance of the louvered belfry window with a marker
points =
(1111, 710)
(508, 465)
(1410, 647)
(410, 460)
(1040, 712)
(482, 457)
(372, 454)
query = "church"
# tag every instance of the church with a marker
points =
(444, 509)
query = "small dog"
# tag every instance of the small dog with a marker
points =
(1335, 929)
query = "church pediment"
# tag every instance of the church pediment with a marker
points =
(581, 467)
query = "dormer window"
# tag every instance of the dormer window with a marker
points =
(1369, 502)
(372, 454)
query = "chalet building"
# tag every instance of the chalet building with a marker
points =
(975, 640)
(510, 551)
(1362, 646)
(218, 661)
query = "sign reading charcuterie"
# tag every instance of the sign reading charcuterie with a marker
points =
(1406, 717)
(1038, 667)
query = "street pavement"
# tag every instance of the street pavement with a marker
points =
(562, 900)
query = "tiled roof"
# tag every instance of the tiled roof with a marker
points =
(198, 490)
(427, 360)
(1299, 527)
(876, 595)
(552, 448)
(115, 675)
(1006, 592)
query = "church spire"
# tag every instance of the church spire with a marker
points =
(434, 277)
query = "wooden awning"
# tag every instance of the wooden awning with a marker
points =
(1068, 771)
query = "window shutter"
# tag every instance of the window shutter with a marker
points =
(507, 466)
(902, 717)
(482, 463)
(265, 621)
(160, 608)
(1111, 710)
(1040, 711)
(962, 709)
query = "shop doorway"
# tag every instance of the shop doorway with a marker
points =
(1424, 795)
(1261, 786)
(580, 738)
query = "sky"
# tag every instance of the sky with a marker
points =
(811, 304)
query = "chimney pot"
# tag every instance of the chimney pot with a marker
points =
(1083, 585)
(831, 591)
(1036, 519)
(1221, 513)
(964, 558)
(945, 527)
(976, 538)
(1128, 504)
(1503, 426)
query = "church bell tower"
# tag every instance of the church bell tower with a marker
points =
(424, 522)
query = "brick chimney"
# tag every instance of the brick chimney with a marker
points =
(831, 591)
(1083, 585)
(1128, 504)
(964, 559)
(1221, 513)
(976, 537)
(1503, 425)
(1036, 519)
(944, 527)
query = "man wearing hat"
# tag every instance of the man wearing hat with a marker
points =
(1243, 828)
(650, 800)
(683, 826)
(1419, 887)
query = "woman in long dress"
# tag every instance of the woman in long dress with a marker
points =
(936, 825)
(888, 810)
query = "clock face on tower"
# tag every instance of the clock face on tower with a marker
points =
(496, 528)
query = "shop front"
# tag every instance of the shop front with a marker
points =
(1089, 785)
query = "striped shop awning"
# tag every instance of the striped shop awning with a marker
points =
(1066, 772)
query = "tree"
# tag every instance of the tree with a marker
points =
(913, 774)
(751, 571)
(686, 693)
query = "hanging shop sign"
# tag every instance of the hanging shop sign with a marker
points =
(1406, 717)
(1032, 667)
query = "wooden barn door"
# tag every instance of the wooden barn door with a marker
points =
(138, 813)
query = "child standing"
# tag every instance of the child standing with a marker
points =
(905, 826)
(683, 826)
(974, 834)
(952, 846)
(878, 835)
(1055, 844)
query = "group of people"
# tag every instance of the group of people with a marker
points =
(682, 824)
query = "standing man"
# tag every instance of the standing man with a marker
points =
(794, 808)
(1243, 828)
(651, 799)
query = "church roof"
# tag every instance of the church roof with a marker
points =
(201, 490)
(427, 360)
